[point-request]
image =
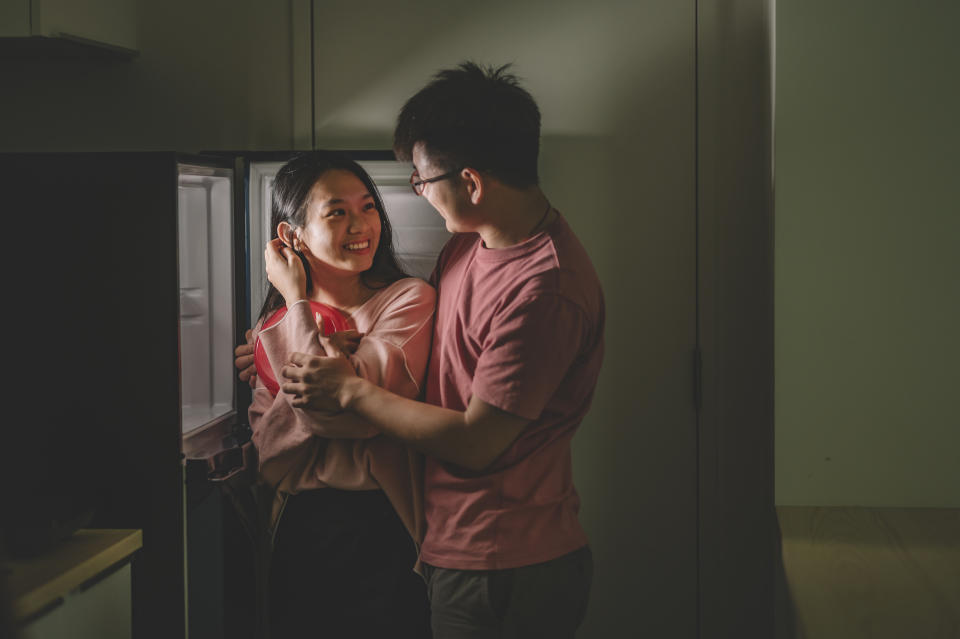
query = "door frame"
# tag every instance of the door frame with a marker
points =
(734, 362)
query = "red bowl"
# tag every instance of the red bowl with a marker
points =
(333, 321)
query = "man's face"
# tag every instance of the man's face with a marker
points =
(444, 195)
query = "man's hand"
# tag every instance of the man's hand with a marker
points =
(316, 382)
(244, 361)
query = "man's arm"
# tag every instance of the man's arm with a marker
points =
(473, 438)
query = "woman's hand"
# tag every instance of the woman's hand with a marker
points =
(285, 271)
(343, 343)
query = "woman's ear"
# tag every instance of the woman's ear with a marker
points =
(475, 184)
(286, 233)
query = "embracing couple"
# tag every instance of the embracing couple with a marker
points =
(421, 458)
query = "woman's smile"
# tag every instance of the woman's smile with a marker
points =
(361, 247)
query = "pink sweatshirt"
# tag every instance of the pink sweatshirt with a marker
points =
(303, 450)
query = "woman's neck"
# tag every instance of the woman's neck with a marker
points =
(343, 292)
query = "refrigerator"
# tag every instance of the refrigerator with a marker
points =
(136, 275)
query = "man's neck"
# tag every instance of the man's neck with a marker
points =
(515, 215)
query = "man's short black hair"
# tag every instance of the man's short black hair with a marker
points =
(477, 117)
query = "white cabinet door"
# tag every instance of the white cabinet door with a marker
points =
(101, 611)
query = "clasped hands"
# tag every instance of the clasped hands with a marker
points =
(314, 381)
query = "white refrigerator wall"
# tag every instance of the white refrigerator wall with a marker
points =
(418, 230)
(205, 229)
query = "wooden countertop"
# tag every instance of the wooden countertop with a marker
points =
(39, 581)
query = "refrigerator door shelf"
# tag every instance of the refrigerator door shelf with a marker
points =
(206, 281)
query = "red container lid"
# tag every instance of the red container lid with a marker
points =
(333, 321)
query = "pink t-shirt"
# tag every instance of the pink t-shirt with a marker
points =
(522, 329)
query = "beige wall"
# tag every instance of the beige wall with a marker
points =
(867, 224)
(866, 318)
(210, 75)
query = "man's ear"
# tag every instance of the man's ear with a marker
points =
(475, 182)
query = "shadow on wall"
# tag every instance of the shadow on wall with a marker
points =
(629, 194)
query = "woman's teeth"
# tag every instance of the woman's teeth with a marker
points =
(356, 246)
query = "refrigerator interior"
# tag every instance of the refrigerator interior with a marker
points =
(205, 261)
(418, 231)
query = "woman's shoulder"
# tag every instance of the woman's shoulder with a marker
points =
(397, 310)
(408, 295)
(405, 288)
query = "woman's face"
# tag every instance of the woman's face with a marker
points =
(342, 229)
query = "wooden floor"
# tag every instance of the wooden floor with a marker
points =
(877, 573)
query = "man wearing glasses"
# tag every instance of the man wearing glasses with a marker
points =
(517, 348)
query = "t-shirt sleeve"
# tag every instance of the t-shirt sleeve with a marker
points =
(527, 352)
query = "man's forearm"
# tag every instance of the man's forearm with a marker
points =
(439, 432)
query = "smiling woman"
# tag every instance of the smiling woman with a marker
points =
(342, 226)
(345, 549)
(327, 210)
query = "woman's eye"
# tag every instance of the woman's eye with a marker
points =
(333, 212)
(370, 207)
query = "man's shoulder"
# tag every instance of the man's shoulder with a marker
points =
(561, 270)
(575, 270)
(569, 249)
(459, 245)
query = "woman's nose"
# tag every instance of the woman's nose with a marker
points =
(358, 222)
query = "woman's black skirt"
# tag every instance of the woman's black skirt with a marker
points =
(342, 566)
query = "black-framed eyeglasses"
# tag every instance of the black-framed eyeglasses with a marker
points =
(417, 184)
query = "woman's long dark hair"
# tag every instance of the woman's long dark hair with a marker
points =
(291, 195)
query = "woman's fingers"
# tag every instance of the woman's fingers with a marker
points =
(279, 253)
(284, 270)
(273, 248)
(340, 343)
